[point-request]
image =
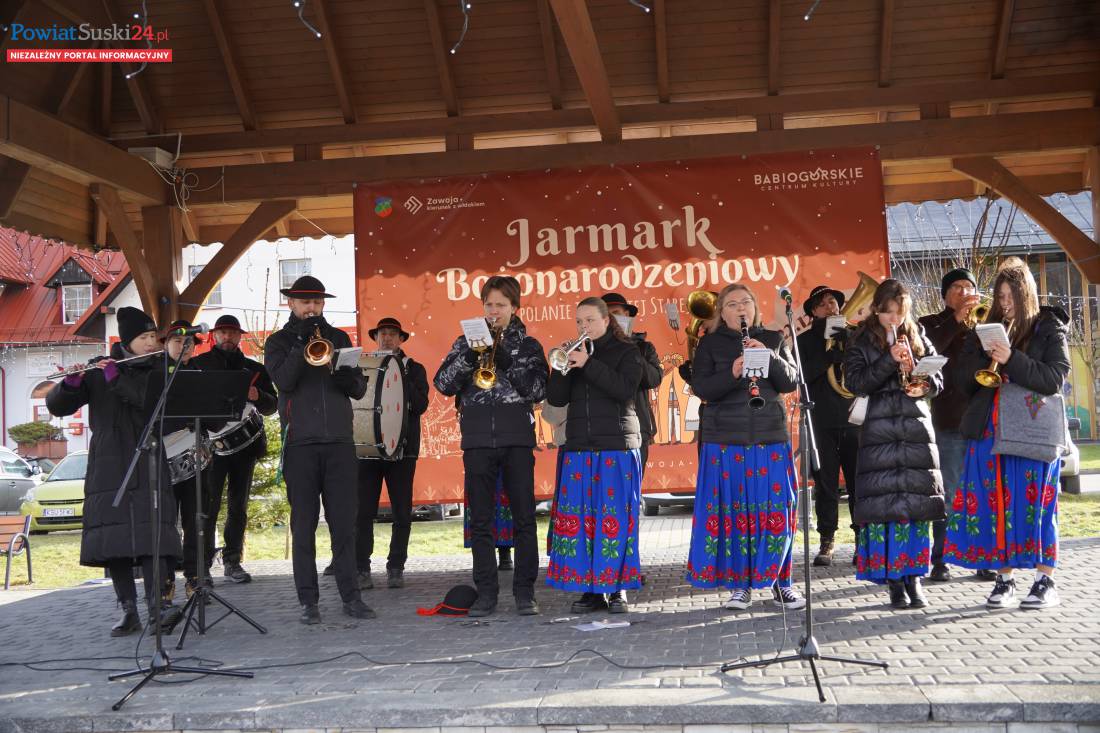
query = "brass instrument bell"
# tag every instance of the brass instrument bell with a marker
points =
(319, 350)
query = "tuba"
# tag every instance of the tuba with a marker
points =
(702, 304)
(861, 297)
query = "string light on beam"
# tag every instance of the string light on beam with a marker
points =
(810, 12)
(143, 21)
(641, 5)
(464, 6)
(301, 6)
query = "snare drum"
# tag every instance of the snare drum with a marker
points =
(381, 415)
(179, 448)
(236, 436)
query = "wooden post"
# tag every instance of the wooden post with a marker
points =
(162, 244)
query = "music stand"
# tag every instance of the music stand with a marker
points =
(222, 396)
(181, 396)
(808, 650)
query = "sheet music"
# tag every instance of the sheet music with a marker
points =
(757, 362)
(348, 357)
(477, 333)
(991, 334)
(832, 323)
(929, 366)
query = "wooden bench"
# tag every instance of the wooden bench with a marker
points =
(14, 540)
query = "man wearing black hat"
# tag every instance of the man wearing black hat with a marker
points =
(238, 467)
(837, 440)
(624, 313)
(319, 463)
(947, 331)
(398, 474)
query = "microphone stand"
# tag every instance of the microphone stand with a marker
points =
(809, 461)
(151, 446)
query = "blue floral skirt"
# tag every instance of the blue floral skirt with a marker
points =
(502, 518)
(594, 525)
(1029, 491)
(893, 550)
(745, 519)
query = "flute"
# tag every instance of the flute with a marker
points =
(89, 367)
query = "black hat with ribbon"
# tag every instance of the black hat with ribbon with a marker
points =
(616, 299)
(228, 321)
(389, 322)
(457, 602)
(815, 295)
(306, 287)
(180, 323)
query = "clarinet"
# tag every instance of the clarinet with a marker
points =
(756, 402)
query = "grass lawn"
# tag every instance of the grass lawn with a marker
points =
(1090, 456)
(56, 555)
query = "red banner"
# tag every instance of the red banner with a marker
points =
(651, 231)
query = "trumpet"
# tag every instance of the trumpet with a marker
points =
(756, 402)
(977, 314)
(915, 387)
(486, 374)
(992, 377)
(319, 350)
(93, 365)
(559, 356)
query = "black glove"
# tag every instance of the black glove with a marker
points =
(307, 326)
(685, 371)
(840, 335)
(835, 355)
(471, 357)
(503, 359)
(344, 378)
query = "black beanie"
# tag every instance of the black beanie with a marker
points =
(133, 322)
(960, 273)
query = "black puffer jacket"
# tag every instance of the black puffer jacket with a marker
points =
(601, 397)
(314, 404)
(728, 419)
(898, 475)
(503, 415)
(948, 336)
(416, 394)
(1042, 366)
(652, 374)
(115, 419)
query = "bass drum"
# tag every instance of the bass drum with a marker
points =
(381, 416)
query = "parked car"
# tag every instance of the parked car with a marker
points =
(58, 502)
(652, 503)
(431, 512)
(1071, 465)
(16, 478)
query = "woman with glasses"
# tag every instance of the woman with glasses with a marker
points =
(746, 489)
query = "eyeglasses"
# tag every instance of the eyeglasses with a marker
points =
(738, 303)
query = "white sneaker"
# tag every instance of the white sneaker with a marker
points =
(787, 597)
(1043, 594)
(740, 600)
(1004, 591)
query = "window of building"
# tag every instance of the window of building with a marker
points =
(75, 299)
(291, 270)
(213, 300)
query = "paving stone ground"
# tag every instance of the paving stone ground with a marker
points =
(401, 666)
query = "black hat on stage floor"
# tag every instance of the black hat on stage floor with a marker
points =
(616, 299)
(132, 322)
(457, 602)
(959, 273)
(815, 294)
(389, 322)
(180, 323)
(306, 287)
(228, 321)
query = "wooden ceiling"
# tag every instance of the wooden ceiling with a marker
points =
(262, 109)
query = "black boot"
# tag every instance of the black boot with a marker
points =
(505, 558)
(898, 598)
(913, 589)
(130, 621)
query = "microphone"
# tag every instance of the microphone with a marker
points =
(786, 295)
(196, 329)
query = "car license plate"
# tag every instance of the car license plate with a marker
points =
(59, 512)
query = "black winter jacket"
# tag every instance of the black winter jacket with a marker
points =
(898, 474)
(947, 335)
(502, 416)
(314, 404)
(727, 418)
(1042, 366)
(601, 397)
(830, 408)
(115, 419)
(220, 360)
(651, 379)
(416, 393)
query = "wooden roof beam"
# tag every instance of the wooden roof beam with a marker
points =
(442, 62)
(46, 142)
(335, 66)
(136, 84)
(549, 52)
(263, 218)
(660, 25)
(1075, 129)
(886, 44)
(13, 174)
(580, 40)
(897, 96)
(775, 22)
(1000, 48)
(230, 64)
(108, 202)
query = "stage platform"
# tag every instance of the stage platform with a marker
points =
(953, 665)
